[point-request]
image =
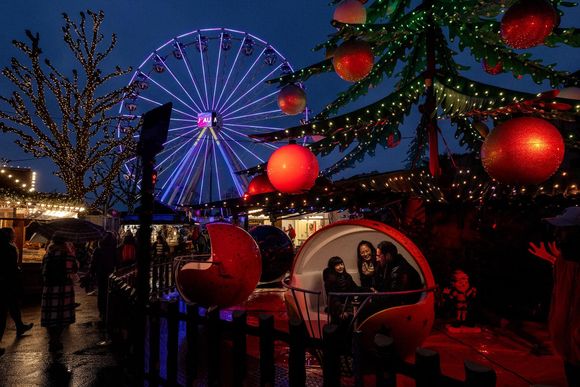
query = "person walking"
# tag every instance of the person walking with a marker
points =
(10, 284)
(103, 264)
(564, 316)
(128, 249)
(59, 267)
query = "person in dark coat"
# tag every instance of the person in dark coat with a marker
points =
(103, 264)
(58, 297)
(160, 248)
(395, 274)
(10, 285)
(367, 263)
(337, 280)
(128, 249)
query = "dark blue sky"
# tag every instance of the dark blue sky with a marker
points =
(292, 27)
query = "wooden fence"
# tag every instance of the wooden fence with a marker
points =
(122, 295)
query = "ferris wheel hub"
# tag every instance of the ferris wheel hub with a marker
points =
(210, 119)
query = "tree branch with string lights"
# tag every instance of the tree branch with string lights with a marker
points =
(416, 38)
(66, 118)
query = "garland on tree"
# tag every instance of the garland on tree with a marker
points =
(416, 39)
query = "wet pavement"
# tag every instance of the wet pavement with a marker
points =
(84, 361)
(520, 358)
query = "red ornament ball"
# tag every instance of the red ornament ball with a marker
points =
(292, 99)
(353, 60)
(493, 70)
(528, 23)
(523, 150)
(228, 276)
(351, 12)
(292, 169)
(260, 185)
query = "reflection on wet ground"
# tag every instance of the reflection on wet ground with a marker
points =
(521, 359)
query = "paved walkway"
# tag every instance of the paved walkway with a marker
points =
(83, 361)
(521, 359)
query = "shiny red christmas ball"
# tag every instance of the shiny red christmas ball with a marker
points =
(493, 70)
(351, 12)
(528, 23)
(292, 99)
(228, 276)
(353, 60)
(259, 185)
(292, 169)
(524, 150)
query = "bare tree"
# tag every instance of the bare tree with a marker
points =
(67, 119)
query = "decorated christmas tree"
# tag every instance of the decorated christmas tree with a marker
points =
(414, 42)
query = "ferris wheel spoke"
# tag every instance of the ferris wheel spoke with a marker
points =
(252, 104)
(229, 74)
(172, 109)
(252, 141)
(255, 115)
(242, 80)
(217, 173)
(172, 179)
(181, 136)
(190, 182)
(261, 127)
(259, 83)
(203, 70)
(168, 92)
(188, 68)
(230, 160)
(217, 70)
(183, 120)
(243, 147)
(183, 127)
(203, 170)
(236, 160)
(170, 153)
(179, 83)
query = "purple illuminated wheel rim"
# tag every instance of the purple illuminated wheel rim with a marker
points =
(215, 79)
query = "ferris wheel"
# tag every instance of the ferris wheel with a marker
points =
(215, 79)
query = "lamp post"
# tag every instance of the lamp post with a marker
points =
(153, 135)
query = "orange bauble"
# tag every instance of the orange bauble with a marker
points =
(292, 100)
(292, 169)
(353, 60)
(528, 23)
(523, 150)
(350, 12)
(228, 276)
(260, 185)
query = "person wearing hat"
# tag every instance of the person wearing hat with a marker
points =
(564, 318)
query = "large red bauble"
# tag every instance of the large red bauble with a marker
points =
(292, 100)
(528, 23)
(228, 276)
(523, 150)
(351, 12)
(353, 60)
(292, 169)
(260, 185)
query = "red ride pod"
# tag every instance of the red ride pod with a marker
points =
(230, 274)
(409, 324)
